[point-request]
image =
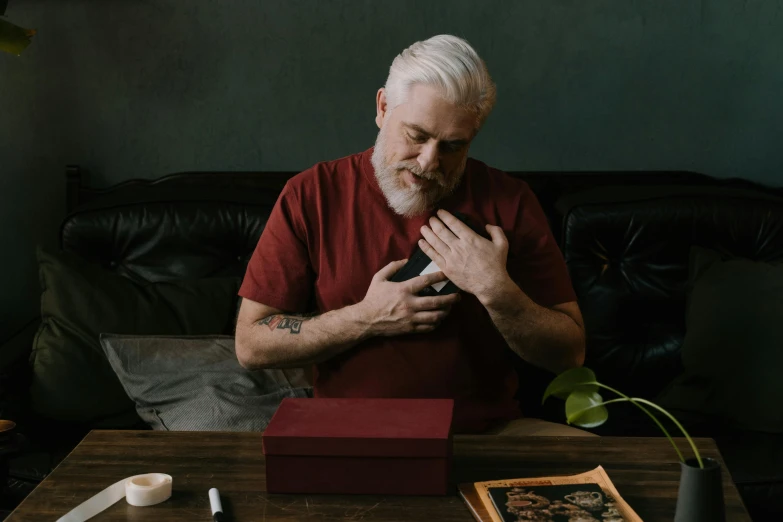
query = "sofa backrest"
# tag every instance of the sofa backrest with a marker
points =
(626, 246)
(627, 250)
(197, 224)
(164, 233)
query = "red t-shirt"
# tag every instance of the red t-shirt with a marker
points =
(332, 230)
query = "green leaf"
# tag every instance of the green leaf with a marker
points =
(14, 39)
(574, 379)
(586, 409)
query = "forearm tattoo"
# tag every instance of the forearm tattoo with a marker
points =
(291, 323)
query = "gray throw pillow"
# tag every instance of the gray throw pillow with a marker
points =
(195, 383)
(71, 382)
(731, 353)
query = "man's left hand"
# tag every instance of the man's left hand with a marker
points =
(473, 263)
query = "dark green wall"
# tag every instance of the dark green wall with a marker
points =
(145, 88)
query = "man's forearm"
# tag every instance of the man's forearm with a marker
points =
(546, 338)
(291, 340)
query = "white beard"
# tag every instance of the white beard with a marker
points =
(414, 200)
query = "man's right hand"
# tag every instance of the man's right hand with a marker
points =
(392, 308)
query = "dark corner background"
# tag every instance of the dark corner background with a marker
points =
(148, 87)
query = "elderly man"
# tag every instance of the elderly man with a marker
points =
(318, 292)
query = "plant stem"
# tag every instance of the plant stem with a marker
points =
(635, 402)
(649, 414)
(682, 429)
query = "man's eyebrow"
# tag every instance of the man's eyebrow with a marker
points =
(421, 130)
(418, 129)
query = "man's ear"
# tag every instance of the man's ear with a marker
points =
(381, 107)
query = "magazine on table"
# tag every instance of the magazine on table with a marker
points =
(586, 497)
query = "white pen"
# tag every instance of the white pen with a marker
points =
(217, 507)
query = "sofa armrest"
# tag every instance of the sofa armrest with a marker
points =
(15, 371)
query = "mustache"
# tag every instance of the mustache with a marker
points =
(434, 175)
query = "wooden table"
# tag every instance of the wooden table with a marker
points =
(644, 470)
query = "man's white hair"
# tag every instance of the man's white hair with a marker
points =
(448, 63)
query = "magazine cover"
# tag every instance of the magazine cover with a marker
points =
(587, 497)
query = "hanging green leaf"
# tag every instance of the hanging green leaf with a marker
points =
(586, 409)
(14, 39)
(574, 379)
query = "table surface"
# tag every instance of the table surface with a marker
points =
(645, 471)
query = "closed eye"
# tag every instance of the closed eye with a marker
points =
(452, 146)
(417, 138)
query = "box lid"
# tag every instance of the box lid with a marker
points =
(360, 427)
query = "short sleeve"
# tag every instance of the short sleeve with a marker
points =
(279, 273)
(536, 262)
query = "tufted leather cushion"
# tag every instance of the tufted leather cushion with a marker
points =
(627, 250)
(170, 233)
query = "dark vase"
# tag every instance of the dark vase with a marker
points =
(700, 498)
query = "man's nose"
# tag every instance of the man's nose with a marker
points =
(428, 157)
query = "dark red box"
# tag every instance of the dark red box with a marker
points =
(359, 446)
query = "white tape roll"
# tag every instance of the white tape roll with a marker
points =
(139, 490)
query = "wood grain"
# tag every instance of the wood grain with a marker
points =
(644, 470)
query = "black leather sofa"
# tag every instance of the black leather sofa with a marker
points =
(625, 236)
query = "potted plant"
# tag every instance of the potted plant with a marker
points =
(700, 495)
(13, 39)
